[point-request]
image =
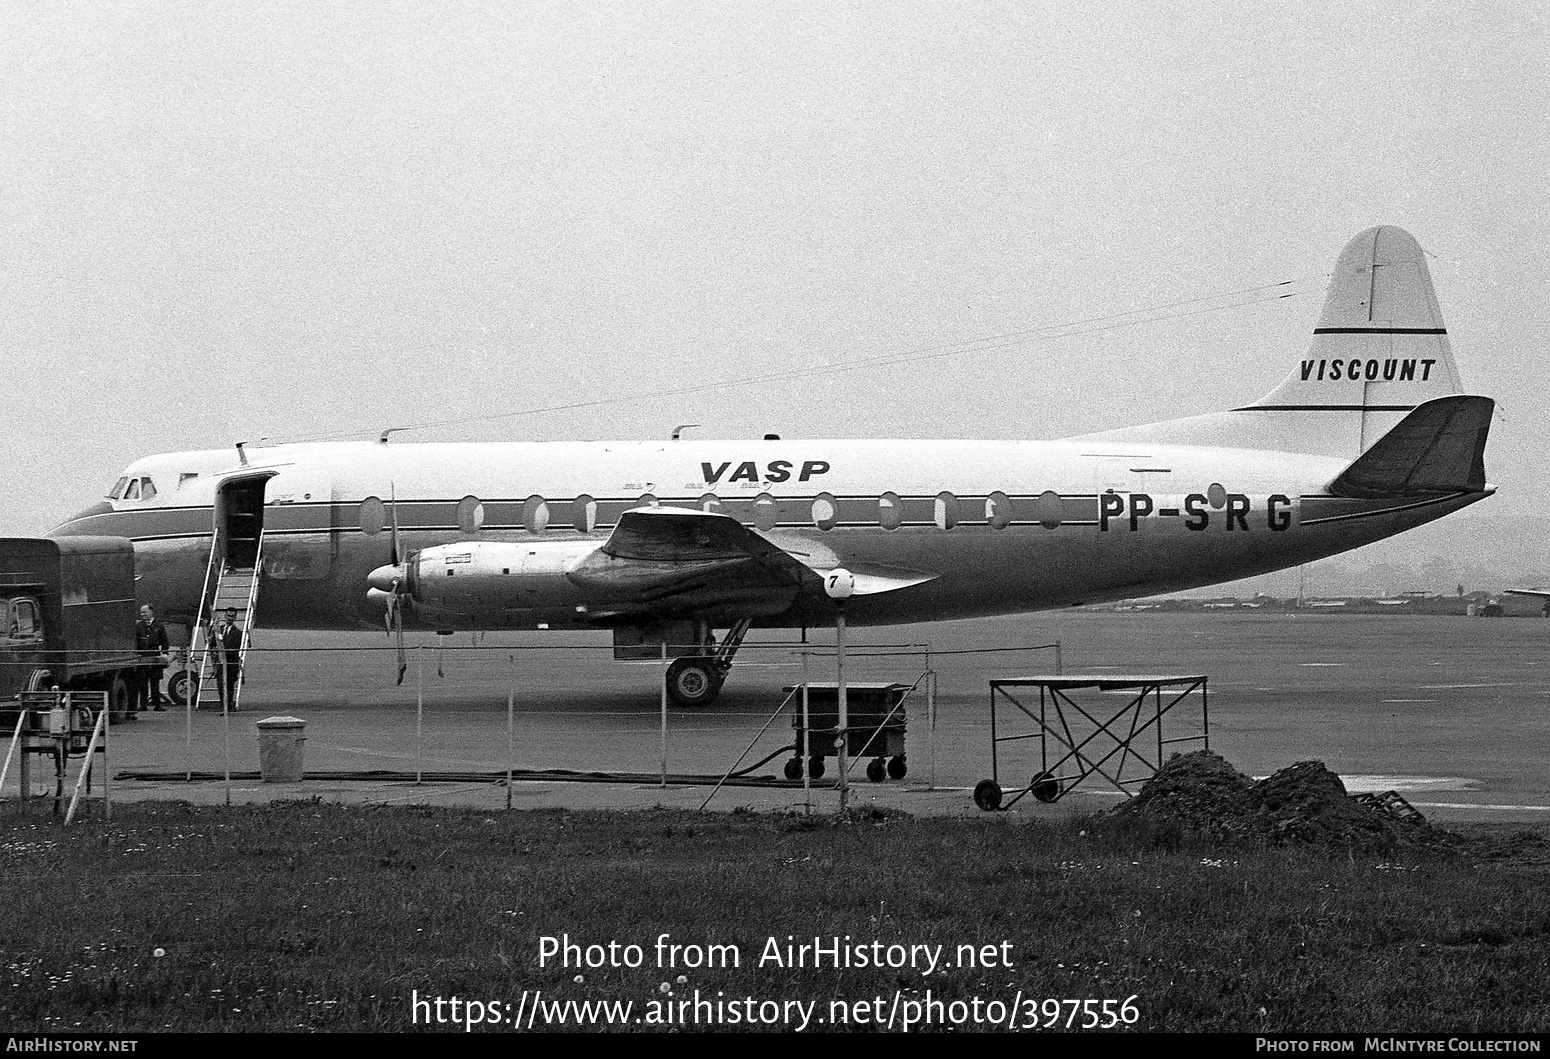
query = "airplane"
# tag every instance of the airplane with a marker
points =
(666, 543)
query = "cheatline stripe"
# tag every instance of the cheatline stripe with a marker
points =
(1326, 408)
(1380, 330)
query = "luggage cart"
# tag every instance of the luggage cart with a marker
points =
(875, 721)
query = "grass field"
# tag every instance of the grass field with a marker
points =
(311, 916)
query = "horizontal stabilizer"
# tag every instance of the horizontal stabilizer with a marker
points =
(1438, 448)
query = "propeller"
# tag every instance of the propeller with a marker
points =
(387, 583)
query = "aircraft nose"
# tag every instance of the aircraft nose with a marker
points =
(382, 578)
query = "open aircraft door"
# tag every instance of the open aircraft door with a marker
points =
(239, 515)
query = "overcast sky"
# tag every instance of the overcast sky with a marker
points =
(224, 221)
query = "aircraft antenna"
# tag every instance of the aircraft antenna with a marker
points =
(681, 427)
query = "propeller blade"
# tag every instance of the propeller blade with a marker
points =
(393, 520)
(398, 627)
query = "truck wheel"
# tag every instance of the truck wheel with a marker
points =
(118, 698)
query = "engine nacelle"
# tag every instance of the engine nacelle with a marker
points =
(486, 576)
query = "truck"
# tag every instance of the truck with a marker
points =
(68, 610)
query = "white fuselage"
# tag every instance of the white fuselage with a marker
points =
(1001, 527)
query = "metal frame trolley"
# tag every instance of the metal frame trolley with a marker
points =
(1082, 739)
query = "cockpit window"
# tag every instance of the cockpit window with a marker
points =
(133, 492)
(147, 489)
(117, 492)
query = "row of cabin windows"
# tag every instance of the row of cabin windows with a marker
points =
(764, 511)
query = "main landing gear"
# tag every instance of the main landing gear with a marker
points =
(696, 680)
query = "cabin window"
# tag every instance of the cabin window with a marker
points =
(117, 492)
(998, 510)
(147, 489)
(584, 514)
(24, 620)
(373, 516)
(765, 512)
(133, 492)
(188, 476)
(710, 502)
(535, 514)
(1050, 509)
(890, 511)
(825, 511)
(946, 511)
(470, 514)
(647, 500)
(1216, 495)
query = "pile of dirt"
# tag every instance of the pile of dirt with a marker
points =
(1302, 805)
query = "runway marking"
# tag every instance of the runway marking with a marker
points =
(1479, 805)
(1362, 784)
(1321, 665)
(1409, 700)
(1456, 687)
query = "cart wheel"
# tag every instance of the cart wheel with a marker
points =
(1045, 787)
(876, 771)
(180, 687)
(987, 795)
(815, 766)
(794, 769)
(898, 767)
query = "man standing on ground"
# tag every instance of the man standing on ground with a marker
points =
(228, 645)
(151, 646)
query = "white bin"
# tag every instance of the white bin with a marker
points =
(280, 742)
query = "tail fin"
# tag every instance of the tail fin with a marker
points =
(1438, 448)
(1379, 351)
(1380, 348)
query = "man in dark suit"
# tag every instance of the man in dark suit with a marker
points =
(151, 647)
(228, 652)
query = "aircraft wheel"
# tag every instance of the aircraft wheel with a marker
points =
(118, 698)
(876, 771)
(693, 682)
(180, 687)
(898, 768)
(794, 769)
(987, 795)
(815, 766)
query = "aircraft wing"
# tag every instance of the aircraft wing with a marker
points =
(1540, 593)
(676, 562)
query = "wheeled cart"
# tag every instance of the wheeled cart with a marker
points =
(875, 728)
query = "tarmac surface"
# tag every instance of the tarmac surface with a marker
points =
(1448, 711)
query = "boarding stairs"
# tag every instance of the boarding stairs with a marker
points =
(235, 588)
